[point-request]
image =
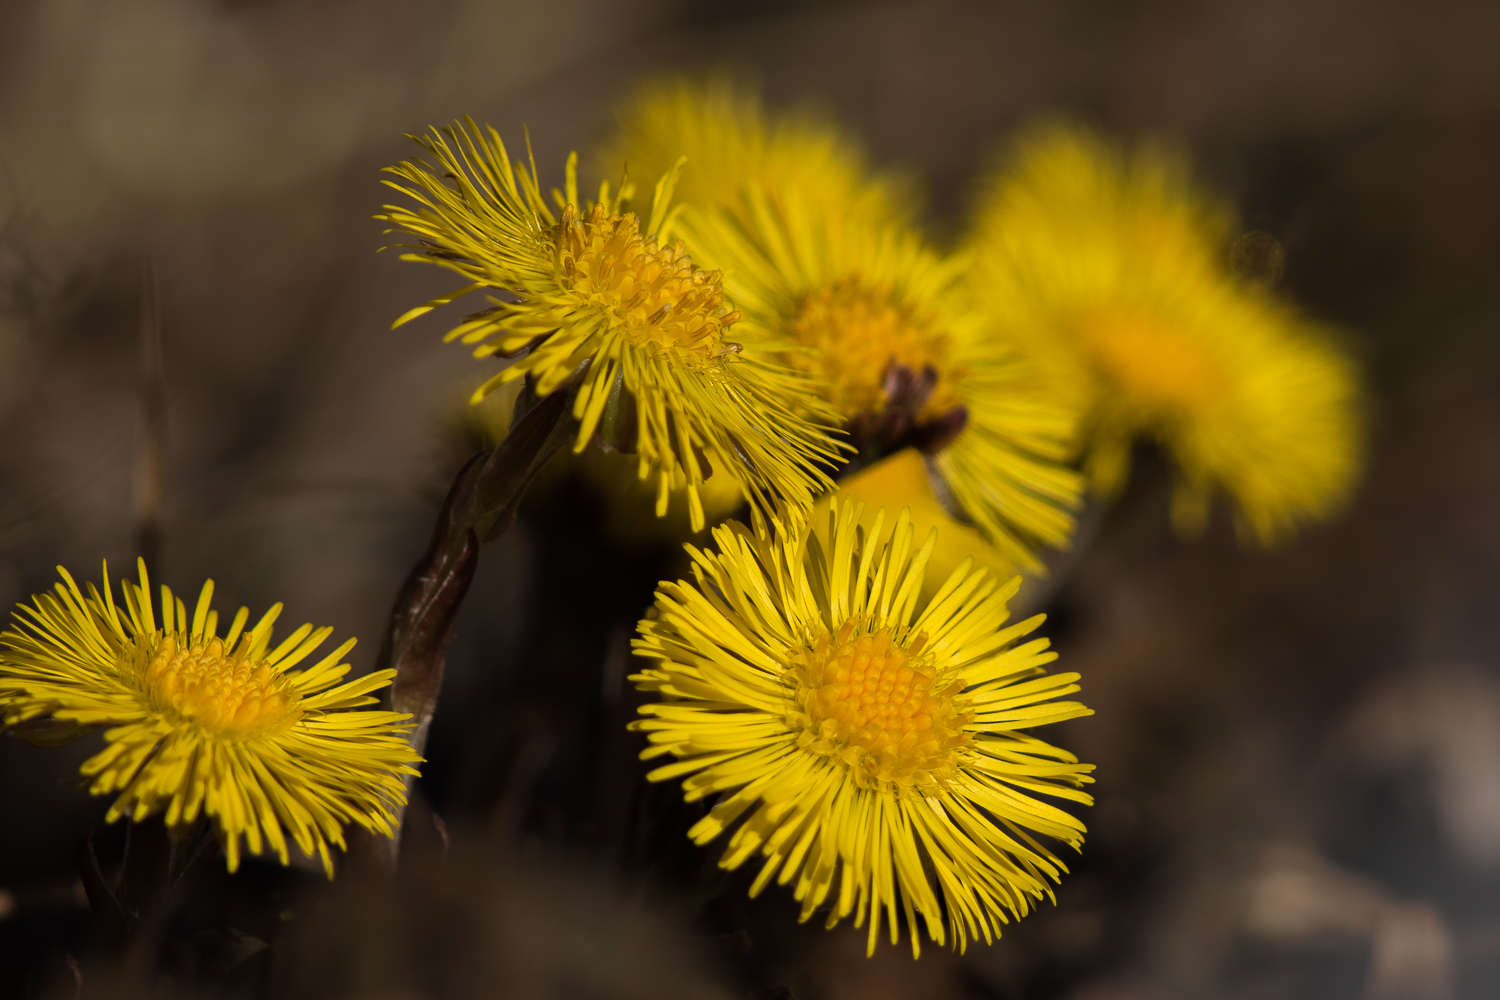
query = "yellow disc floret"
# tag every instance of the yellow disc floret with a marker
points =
(878, 706)
(660, 299)
(232, 697)
(855, 333)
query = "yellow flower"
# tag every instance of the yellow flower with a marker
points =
(868, 745)
(590, 290)
(731, 142)
(200, 723)
(1112, 271)
(884, 323)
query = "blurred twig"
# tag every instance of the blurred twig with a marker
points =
(151, 449)
(618, 765)
(537, 742)
(131, 915)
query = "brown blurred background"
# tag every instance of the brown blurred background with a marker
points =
(1299, 752)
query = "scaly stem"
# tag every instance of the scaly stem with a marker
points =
(481, 504)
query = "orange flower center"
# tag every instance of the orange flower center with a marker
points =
(856, 334)
(232, 697)
(878, 706)
(1151, 364)
(655, 294)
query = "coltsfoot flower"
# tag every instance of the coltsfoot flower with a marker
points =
(204, 724)
(869, 746)
(885, 325)
(1112, 271)
(591, 285)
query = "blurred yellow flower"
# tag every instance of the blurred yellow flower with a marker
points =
(627, 516)
(868, 744)
(732, 142)
(1112, 271)
(592, 293)
(903, 480)
(203, 724)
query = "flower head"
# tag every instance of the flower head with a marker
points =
(590, 289)
(867, 744)
(204, 724)
(884, 324)
(1112, 272)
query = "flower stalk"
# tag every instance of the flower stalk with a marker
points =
(481, 505)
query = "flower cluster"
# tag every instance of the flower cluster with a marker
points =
(830, 277)
(909, 426)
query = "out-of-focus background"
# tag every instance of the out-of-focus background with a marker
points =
(1299, 752)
